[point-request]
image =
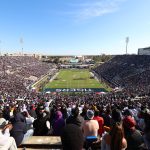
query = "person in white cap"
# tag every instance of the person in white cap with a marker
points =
(6, 142)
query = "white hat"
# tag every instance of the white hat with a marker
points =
(3, 122)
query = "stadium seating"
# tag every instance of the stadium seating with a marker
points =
(129, 71)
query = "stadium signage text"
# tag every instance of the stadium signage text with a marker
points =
(75, 90)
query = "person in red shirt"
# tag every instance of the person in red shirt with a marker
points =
(100, 121)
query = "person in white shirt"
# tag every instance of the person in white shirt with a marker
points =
(6, 142)
(29, 123)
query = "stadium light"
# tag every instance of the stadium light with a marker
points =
(0, 47)
(127, 41)
(21, 42)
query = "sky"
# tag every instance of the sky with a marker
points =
(74, 27)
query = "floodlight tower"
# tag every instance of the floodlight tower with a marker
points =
(4, 65)
(127, 41)
(21, 43)
(0, 47)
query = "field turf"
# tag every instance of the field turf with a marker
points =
(74, 78)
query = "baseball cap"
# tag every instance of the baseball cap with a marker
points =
(90, 114)
(129, 122)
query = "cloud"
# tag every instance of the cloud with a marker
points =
(96, 8)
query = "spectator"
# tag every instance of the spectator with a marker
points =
(6, 113)
(32, 112)
(133, 136)
(6, 142)
(75, 118)
(107, 117)
(100, 122)
(41, 124)
(90, 126)
(58, 124)
(147, 129)
(19, 128)
(116, 116)
(115, 139)
(72, 137)
(29, 125)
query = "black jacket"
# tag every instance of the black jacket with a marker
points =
(19, 128)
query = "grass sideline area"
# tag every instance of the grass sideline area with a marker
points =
(75, 78)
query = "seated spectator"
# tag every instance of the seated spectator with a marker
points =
(72, 137)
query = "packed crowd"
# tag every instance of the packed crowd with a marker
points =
(128, 71)
(112, 122)
(18, 73)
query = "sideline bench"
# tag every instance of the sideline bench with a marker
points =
(42, 142)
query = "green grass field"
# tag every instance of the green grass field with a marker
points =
(74, 78)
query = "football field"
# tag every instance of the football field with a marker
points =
(75, 78)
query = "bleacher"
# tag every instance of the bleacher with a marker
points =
(117, 70)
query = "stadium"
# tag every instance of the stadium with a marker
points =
(31, 84)
(74, 75)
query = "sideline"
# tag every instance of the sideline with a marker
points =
(40, 80)
(44, 78)
(53, 77)
(95, 77)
